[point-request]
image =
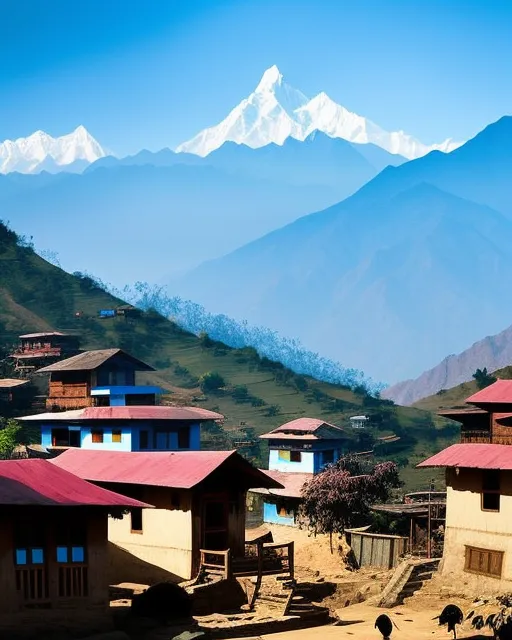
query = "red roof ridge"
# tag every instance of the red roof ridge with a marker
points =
(174, 469)
(475, 455)
(499, 392)
(37, 482)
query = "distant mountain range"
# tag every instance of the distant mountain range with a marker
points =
(415, 265)
(40, 152)
(275, 112)
(154, 214)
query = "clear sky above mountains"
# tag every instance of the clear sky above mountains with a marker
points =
(148, 75)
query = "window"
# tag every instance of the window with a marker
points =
(70, 538)
(136, 520)
(284, 456)
(65, 437)
(295, 456)
(143, 439)
(484, 562)
(184, 438)
(97, 436)
(117, 435)
(491, 490)
(29, 543)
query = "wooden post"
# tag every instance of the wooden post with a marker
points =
(429, 522)
(410, 534)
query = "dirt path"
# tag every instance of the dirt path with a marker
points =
(358, 622)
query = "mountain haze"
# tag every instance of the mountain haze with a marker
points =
(492, 353)
(387, 279)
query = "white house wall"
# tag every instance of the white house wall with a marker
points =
(467, 524)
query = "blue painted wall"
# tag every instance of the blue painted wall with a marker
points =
(130, 437)
(312, 460)
(271, 515)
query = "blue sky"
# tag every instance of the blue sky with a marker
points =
(142, 74)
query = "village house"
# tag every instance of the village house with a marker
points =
(110, 411)
(297, 450)
(14, 394)
(199, 500)
(488, 419)
(478, 535)
(128, 428)
(103, 377)
(36, 350)
(53, 543)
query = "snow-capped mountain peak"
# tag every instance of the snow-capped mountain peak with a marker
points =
(40, 151)
(270, 79)
(276, 111)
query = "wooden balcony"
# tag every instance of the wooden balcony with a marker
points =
(69, 396)
(472, 435)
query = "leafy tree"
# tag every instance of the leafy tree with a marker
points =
(483, 378)
(211, 381)
(10, 431)
(341, 496)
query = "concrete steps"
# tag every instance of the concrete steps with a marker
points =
(409, 577)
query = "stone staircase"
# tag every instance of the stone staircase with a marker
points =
(408, 578)
(286, 598)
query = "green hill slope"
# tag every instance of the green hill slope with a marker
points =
(257, 395)
(455, 397)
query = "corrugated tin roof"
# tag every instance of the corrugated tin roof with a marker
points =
(9, 383)
(500, 392)
(37, 482)
(301, 427)
(44, 334)
(472, 456)
(179, 470)
(292, 483)
(157, 412)
(90, 360)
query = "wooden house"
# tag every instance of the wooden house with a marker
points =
(14, 394)
(36, 350)
(123, 428)
(477, 551)
(104, 377)
(53, 543)
(199, 500)
(297, 450)
(488, 417)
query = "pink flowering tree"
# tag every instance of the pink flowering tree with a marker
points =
(341, 496)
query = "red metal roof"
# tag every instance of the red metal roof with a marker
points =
(179, 470)
(500, 392)
(36, 482)
(300, 427)
(292, 483)
(472, 456)
(158, 412)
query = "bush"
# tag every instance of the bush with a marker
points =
(272, 410)
(211, 381)
(240, 393)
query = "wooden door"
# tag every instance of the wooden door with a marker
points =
(215, 530)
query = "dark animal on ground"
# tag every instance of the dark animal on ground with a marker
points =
(164, 602)
(384, 625)
(451, 615)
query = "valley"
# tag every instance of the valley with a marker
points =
(257, 395)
